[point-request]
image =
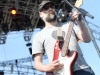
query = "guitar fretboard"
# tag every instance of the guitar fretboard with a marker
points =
(67, 40)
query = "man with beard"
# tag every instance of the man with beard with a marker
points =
(45, 40)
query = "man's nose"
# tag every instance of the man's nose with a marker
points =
(50, 8)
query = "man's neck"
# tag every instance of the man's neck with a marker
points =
(47, 24)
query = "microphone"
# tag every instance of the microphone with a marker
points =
(60, 15)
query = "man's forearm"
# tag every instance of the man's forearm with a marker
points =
(40, 66)
(84, 32)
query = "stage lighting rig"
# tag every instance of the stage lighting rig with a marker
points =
(5, 28)
(2, 39)
(27, 38)
(13, 11)
(27, 35)
(30, 50)
(1, 72)
(29, 44)
(0, 29)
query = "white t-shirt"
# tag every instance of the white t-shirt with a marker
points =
(44, 41)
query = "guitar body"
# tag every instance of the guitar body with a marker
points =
(68, 61)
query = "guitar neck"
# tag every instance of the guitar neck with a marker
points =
(67, 40)
(68, 36)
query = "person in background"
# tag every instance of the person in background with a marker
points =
(44, 41)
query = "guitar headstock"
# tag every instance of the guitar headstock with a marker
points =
(78, 3)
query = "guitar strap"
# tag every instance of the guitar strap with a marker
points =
(59, 32)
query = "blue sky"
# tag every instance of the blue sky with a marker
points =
(15, 47)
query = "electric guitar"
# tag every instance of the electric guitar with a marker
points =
(62, 54)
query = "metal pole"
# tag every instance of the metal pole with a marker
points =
(92, 37)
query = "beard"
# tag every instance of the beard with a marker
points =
(51, 17)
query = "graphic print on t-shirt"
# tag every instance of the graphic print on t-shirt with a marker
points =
(54, 34)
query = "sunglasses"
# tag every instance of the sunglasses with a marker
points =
(47, 7)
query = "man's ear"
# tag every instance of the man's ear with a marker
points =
(40, 14)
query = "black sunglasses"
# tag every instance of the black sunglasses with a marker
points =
(47, 7)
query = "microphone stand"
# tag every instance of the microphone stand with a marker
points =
(83, 14)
